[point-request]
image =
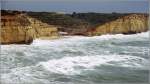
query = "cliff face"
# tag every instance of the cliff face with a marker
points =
(43, 29)
(65, 22)
(17, 27)
(22, 29)
(95, 23)
(130, 24)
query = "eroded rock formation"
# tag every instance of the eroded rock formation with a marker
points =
(134, 23)
(22, 29)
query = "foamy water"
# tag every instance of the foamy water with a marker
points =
(77, 60)
(67, 65)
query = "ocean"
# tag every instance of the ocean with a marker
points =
(78, 60)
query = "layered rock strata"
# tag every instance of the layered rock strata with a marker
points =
(134, 23)
(22, 29)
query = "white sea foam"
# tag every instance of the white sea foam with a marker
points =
(81, 39)
(68, 65)
(14, 55)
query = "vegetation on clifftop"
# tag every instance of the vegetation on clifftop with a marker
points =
(75, 19)
(71, 23)
(57, 19)
(75, 23)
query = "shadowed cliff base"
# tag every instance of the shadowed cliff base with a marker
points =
(19, 42)
(24, 26)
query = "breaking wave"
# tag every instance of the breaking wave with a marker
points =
(73, 65)
(77, 59)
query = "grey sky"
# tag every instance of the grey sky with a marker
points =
(75, 0)
(78, 5)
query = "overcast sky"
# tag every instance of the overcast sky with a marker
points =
(69, 6)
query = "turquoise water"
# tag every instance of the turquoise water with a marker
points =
(77, 60)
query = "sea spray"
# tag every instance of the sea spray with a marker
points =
(77, 59)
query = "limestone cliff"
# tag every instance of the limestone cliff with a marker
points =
(133, 23)
(22, 29)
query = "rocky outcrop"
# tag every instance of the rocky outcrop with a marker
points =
(95, 23)
(129, 24)
(64, 22)
(22, 29)
(43, 29)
